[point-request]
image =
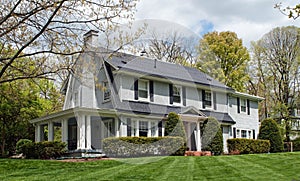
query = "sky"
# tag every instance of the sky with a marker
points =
(249, 19)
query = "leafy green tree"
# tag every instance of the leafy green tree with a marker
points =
(174, 127)
(223, 56)
(269, 130)
(21, 101)
(212, 137)
(291, 12)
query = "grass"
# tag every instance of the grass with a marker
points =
(281, 166)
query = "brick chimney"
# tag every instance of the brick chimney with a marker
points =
(91, 39)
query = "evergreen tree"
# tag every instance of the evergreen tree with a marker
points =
(269, 130)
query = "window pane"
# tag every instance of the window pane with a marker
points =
(244, 134)
(207, 99)
(243, 105)
(176, 94)
(143, 89)
(143, 128)
(143, 94)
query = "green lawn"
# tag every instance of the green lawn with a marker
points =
(283, 166)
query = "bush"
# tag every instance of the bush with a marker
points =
(212, 137)
(141, 146)
(44, 150)
(20, 144)
(269, 130)
(248, 146)
(174, 127)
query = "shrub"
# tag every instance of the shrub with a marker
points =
(269, 130)
(141, 146)
(20, 144)
(248, 146)
(44, 150)
(212, 137)
(174, 127)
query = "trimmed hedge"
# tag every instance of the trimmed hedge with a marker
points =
(248, 146)
(44, 150)
(141, 146)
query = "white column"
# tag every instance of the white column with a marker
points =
(64, 130)
(149, 129)
(188, 125)
(163, 129)
(117, 128)
(82, 132)
(50, 131)
(37, 133)
(137, 128)
(198, 137)
(88, 133)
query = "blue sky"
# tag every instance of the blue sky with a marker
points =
(250, 19)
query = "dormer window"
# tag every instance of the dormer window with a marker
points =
(143, 89)
(106, 91)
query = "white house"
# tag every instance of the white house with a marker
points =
(125, 95)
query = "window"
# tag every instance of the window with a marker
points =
(243, 105)
(143, 89)
(244, 134)
(153, 129)
(176, 94)
(143, 128)
(237, 133)
(106, 92)
(207, 99)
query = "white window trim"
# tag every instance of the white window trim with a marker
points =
(181, 100)
(244, 105)
(148, 91)
(211, 100)
(107, 86)
(135, 129)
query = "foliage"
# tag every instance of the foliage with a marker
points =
(269, 130)
(278, 166)
(47, 30)
(296, 144)
(20, 144)
(141, 146)
(174, 127)
(291, 12)
(21, 101)
(223, 57)
(212, 137)
(248, 146)
(44, 150)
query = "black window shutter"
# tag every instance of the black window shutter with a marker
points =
(248, 106)
(215, 100)
(253, 134)
(238, 105)
(136, 87)
(128, 127)
(160, 128)
(184, 96)
(171, 93)
(203, 99)
(151, 91)
(234, 132)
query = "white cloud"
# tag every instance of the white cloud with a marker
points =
(250, 19)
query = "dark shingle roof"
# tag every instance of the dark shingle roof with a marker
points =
(137, 107)
(145, 66)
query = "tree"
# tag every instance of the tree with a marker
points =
(223, 56)
(173, 47)
(21, 101)
(269, 130)
(276, 73)
(174, 127)
(46, 30)
(291, 12)
(212, 137)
